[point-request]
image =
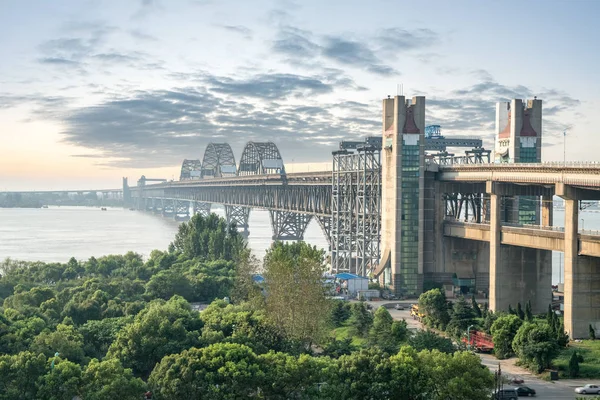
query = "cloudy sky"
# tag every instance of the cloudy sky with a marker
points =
(92, 90)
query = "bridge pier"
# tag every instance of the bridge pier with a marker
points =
(201, 208)
(168, 208)
(582, 273)
(288, 225)
(181, 210)
(517, 274)
(238, 215)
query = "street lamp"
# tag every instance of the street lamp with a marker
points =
(469, 337)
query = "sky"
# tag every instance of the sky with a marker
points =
(95, 90)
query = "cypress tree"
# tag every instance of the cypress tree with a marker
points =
(520, 312)
(528, 313)
(475, 307)
(510, 310)
(574, 365)
(592, 333)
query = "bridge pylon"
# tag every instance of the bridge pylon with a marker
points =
(201, 208)
(239, 216)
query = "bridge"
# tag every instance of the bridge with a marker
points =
(415, 219)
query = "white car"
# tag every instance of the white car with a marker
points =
(588, 389)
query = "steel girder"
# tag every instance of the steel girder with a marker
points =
(201, 208)
(239, 216)
(188, 167)
(218, 161)
(259, 158)
(469, 207)
(288, 225)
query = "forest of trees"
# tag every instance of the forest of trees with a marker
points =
(118, 326)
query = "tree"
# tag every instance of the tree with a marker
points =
(592, 333)
(336, 348)
(361, 319)
(535, 345)
(162, 328)
(455, 376)
(109, 380)
(19, 374)
(503, 332)
(65, 340)
(340, 312)
(400, 330)
(208, 238)
(361, 375)
(381, 331)
(296, 298)
(61, 382)
(287, 377)
(520, 312)
(219, 371)
(168, 283)
(244, 287)
(462, 317)
(475, 307)
(433, 304)
(574, 365)
(511, 311)
(528, 313)
(427, 340)
(99, 335)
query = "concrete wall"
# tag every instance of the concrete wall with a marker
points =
(584, 303)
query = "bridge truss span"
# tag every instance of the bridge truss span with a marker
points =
(190, 169)
(260, 158)
(218, 161)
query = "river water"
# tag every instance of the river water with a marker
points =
(56, 234)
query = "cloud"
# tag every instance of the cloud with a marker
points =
(147, 7)
(270, 86)
(301, 47)
(400, 40)
(137, 34)
(352, 53)
(242, 30)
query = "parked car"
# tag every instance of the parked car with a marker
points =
(525, 391)
(399, 307)
(588, 389)
(508, 394)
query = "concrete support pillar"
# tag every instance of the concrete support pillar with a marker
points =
(497, 299)
(517, 274)
(547, 207)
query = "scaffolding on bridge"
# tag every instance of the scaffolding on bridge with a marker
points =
(356, 210)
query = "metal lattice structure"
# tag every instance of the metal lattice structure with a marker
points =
(218, 161)
(260, 158)
(356, 211)
(474, 156)
(288, 225)
(190, 169)
(239, 216)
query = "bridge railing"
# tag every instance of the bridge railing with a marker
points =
(588, 232)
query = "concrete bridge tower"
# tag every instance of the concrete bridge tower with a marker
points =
(519, 131)
(403, 170)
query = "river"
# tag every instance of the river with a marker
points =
(56, 234)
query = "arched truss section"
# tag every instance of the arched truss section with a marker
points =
(190, 169)
(261, 158)
(218, 161)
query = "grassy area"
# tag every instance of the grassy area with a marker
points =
(590, 367)
(344, 332)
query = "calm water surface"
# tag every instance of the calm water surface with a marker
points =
(58, 233)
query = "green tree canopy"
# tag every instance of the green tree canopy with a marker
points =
(162, 328)
(433, 304)
(296, 299)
